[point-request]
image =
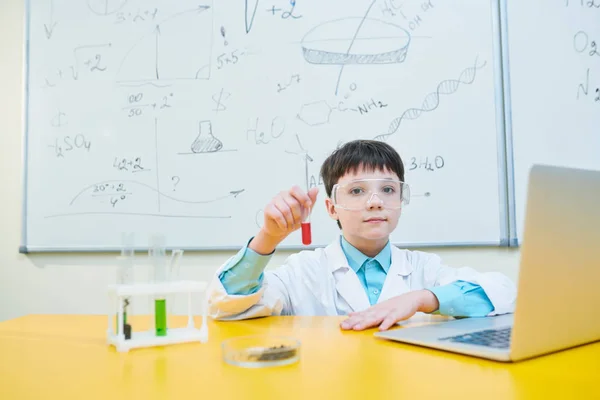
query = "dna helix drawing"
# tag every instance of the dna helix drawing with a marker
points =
(432, 100)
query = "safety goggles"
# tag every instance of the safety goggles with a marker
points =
(360, 193)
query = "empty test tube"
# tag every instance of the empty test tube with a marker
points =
(125, 277)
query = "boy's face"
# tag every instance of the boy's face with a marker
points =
(372, 222)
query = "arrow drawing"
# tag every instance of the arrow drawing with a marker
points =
(236, 192)
(249, 24)
(232, 193)
(156, 46)
(159, 54)
(139, 214)
(337, 85)
(426, 194)
(50, 27)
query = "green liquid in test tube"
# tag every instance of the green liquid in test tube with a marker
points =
(160, 317)
(158, 256)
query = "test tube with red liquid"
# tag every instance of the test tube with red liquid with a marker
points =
(306, 231)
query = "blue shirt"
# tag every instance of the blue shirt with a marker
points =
(244, 275)
(371, 272)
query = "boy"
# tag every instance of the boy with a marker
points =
(360, 274)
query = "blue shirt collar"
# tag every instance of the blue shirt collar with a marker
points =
(356, 259)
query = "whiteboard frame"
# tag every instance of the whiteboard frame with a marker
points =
(510, 202)
(505, 180)
(142, 249)
(506, 203)
(25, 137)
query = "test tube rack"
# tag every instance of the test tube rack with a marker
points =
(118, 293)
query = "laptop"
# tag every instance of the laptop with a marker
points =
(559, 276)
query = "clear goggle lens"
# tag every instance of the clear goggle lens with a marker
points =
(356, 195)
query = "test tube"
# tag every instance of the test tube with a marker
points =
(125, 276)
(157, 254)
(305, 225)
(174, 263)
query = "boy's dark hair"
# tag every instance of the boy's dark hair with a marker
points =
(372, 155)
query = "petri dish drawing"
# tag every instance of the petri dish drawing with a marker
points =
(356, 41)
(259, 351)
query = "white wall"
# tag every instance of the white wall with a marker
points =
(58, 283)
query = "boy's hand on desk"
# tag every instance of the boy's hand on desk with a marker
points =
(387, 313)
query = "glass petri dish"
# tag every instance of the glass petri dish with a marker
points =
(259, 351)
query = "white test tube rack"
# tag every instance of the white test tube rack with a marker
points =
(118, 293)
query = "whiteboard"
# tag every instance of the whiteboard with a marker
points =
(554, 68)
(186, 118)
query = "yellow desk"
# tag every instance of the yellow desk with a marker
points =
(66, 357)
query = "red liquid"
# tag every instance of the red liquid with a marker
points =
(306, 233)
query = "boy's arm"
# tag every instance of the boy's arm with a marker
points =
(237, 291)
(466, 292)
(449, 291)
(243, 274)
(462, 299)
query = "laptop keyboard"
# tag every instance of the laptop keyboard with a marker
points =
(496, 338)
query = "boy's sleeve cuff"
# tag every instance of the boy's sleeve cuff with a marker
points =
(243, 275)
(249, 257)
(446, 296)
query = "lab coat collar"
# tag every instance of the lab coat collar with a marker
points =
(348, 285)
(357, 259)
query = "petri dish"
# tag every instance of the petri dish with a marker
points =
(259, 351)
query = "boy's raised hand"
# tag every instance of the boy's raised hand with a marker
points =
(283, 215)
(387, 313)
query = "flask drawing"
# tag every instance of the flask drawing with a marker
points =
(205, 142)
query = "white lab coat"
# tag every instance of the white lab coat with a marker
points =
(320, 282)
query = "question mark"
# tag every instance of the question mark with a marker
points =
(175, 180)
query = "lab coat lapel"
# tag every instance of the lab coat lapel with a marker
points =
(346, 281)
(394, 284)
(349, 287)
